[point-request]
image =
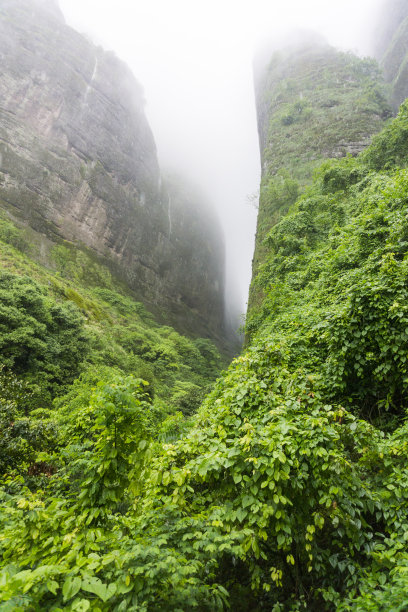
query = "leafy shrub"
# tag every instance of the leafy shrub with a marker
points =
(340, 175)
(389, 148)
(21, 437)
(40, 340)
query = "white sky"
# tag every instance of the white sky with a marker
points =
(194, 61)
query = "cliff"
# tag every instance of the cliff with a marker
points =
(286, 490)
(78, 163)
(391, 48)
(313, 103)
(192, 257)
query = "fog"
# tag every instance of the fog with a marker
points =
(194, 61)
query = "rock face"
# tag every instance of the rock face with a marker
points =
(78, 162)
(391, 48)
(192, 257)
(313, 103)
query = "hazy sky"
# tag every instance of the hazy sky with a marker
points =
(194, 61)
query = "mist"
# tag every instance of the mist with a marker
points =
(194, 61)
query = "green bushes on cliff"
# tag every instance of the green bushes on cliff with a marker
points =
(319, 103)
(314, 103)
(286, 491)
(40, 340)
(45, 310)
(340, 256)
(59, 340)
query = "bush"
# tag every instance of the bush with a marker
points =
(40, 340)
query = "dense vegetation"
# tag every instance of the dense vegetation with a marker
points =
(287, 489)
(72, 317)
(314, 103)
(69, 337)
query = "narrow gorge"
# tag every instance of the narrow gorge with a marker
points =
(140, 469)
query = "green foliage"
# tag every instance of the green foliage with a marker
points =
(389, 148)
(296, 112)
(343, 257)
(12, 235)
(286, 489)
(81, 266)
(276, 196)
(316, 101)
(116, 331)
(340, 175)
(21, 438)
(333, 279)
(40, 340)
(93, 555)
(187, 397)
(333, 284)
(71, 474)
(272, 497)
(119, 425)
(73, 410)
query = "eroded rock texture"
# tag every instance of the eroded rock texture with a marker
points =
(313, 103)
(78, 162)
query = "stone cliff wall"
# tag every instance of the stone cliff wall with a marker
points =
(313, 103)
(78, 162)
(391, 48)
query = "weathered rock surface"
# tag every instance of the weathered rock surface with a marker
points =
(192, 266)
(78, 162)
(313, 103)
